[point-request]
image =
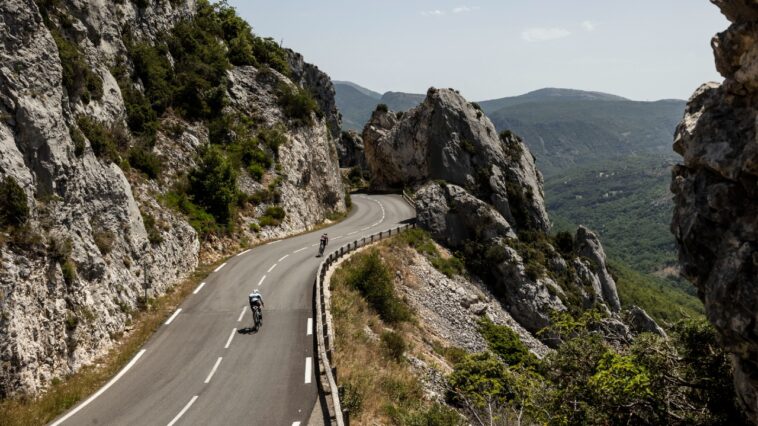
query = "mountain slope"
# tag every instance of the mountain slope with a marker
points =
(355, 105)
(547, 95)
(565, 134)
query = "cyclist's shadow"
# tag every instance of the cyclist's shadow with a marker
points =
(247, 330)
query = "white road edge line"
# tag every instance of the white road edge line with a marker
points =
(243, 252)
(213, 370)
(283, 257)
(242, 314)
(366, 228)
(173, 316)
(102, 389)
(272, 267)
(202, 284)
(260, 283)
(299, 250)
(231, 336)
(219, 268)
(184, 410)
(308, 366)
(309, 327)
(273, 242)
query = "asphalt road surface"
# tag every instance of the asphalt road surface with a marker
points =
(205, 366)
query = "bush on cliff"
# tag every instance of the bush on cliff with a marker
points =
(14, 210)
(213, 185)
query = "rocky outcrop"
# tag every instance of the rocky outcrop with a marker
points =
(640, 322)
(588, 246)
(453, 216)
(351, 150)
(715, 219)
(71, 278)
(448, 138)
(479, 193)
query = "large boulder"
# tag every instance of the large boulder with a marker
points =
(448, 138)
(715, 219)
(453, 216)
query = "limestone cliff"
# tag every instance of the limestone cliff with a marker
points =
(480, 194)
(72, 274)
(715, 218)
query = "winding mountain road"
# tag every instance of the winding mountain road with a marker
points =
(204, 367)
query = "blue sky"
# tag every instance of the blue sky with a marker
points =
(643, 50)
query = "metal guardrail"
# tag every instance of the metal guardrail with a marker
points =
(409, 198)
(324, 329)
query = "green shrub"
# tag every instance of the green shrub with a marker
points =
(213, 185)
(69, 272)
(450, 266)
(153, 234)
(78, 78)
(153, 69)
(14, 208)
(372, 279)
(104, 240)
(203, 222)
(268, 52)
(100, 137)
(435, 415)
(382, 108)
(142, 159)
(468, 146)
(78, 138)
(394, 344)
(351, 397)
(273, 138)
(256, 171)
(564, 242)
(297, 104)
(273, 216)
(505, 343)
(255, 227)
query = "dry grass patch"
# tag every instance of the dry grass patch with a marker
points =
(378, 385)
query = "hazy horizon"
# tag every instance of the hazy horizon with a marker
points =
(488, 49)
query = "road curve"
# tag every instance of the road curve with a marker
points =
(204, 368)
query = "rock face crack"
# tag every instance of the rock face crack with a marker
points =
(715, 218)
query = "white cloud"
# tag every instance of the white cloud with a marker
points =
(465, 9)
(588, 26)
(544, 34)
(435, 12)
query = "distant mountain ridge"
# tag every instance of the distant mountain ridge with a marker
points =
(564, 128)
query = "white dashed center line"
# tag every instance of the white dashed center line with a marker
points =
(173, 316)
(260, 283)
(299, 250)
(219, 268)
(351, 233)
(295, 423)
(184, 410)
(231, 336)
(283, 257)
(213, 370)
(308, 366)
(309, 327)
(272, 267)
(242, 314)
(202, 284)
